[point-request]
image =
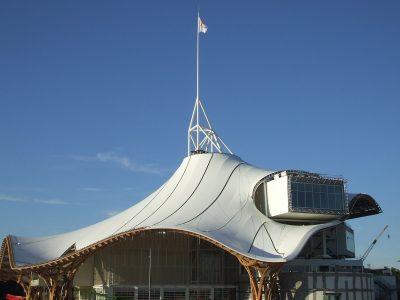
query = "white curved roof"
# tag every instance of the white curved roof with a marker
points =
(210, 194)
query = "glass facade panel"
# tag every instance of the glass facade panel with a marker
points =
(224, 293)
(339, 201)
(324, 200)
(310, 195)
(309, 199)
(301, 198)
(195, 294)
(144, 294)
(294, 198)
(331, 201)
(174, 294)
(317, 200)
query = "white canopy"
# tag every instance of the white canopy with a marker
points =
(210, 195)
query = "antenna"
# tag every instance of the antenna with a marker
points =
(202, 138)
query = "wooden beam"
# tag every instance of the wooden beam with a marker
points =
(262, 275)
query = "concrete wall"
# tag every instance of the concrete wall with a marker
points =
(314, 285)
(385, 287)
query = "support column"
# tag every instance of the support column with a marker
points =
(59, 280)
(263, 278)
(24, 281)
(51, 281)
(271, 292)
(35, 293)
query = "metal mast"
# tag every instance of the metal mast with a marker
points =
(202, 138)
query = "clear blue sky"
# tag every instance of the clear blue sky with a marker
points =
(96, 97)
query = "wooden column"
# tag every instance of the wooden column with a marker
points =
(51, 281)
(59, 279)
(263, 278)
(24, 281)
(272, 291)
(35, 293)
(68, 280)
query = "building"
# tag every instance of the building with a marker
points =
(219, 228)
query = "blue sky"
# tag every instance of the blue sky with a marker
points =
(96, 97)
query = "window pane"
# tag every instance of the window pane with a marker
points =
(309, 199)
(324, 194)
(294, 199)
(301, 200)
(331, 189)
(317, 200)
(324, 189)
(324, 201)
(331, 199)
(339, 201)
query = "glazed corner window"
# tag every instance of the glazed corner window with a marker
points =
(328, 195)
(260, 197)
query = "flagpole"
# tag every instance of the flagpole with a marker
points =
(197, 60)
(197, 82)
(209, 138)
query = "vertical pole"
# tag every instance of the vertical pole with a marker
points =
(150, 275)
(197, 83)
(197, 57)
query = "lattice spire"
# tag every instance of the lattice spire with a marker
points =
(201, 137)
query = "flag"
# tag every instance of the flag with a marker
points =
(202, 27)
